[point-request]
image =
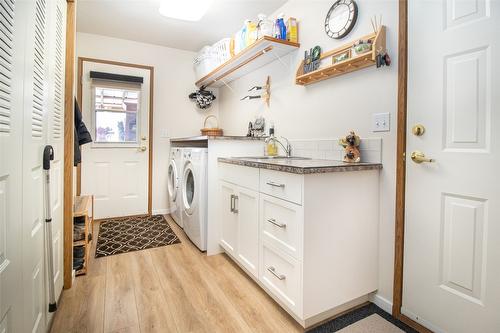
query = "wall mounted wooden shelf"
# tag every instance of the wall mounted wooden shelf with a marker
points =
(353, 63)
(260, 53)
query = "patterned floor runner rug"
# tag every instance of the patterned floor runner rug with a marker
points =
(127, 234)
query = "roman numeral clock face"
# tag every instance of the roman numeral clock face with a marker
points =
(341, 18)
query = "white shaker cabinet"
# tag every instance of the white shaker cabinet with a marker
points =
(239, 218)
(309, 240)
(228, 218)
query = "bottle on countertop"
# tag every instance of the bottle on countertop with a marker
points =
(271, 147)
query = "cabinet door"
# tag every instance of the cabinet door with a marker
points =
(227, 217)
(247, 205)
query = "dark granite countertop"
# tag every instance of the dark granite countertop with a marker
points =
(224, 137)
(300, 166)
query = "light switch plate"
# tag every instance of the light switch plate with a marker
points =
(164, 133)
(381, 122)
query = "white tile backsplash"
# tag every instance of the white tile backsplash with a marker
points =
(329, 149)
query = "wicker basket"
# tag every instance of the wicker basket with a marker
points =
(215, 131)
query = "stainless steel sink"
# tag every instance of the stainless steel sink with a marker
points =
(274, 158)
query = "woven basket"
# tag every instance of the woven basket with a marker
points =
(214, 131)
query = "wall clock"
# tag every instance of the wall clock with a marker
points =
(341, 18)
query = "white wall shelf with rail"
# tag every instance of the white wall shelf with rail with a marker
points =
(260, 53)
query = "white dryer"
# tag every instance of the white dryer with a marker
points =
(174, 184)
(194, 195)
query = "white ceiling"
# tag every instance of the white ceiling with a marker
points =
(140, 21)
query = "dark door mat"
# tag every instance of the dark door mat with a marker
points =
(127, 234)
(356, 315)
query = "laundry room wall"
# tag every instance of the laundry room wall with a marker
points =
(174, 114)
(329, 109)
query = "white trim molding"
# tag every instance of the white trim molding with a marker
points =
(382, 303)
(161, 211)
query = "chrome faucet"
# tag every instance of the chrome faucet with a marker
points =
(287, 148)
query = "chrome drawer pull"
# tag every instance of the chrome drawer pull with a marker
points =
(270, 183)
(273, 221)
(233, 204)
(272, 270)
(236, 200)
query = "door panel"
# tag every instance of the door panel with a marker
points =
(229, 223)
(116, 173)
(31, 84)
(55, 133)
(12, 35)
(452, 203)
(35, 108)
(247, 204)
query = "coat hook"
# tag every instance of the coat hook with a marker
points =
(250, 97)
(255, 88)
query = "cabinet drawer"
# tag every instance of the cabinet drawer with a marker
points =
(282, 224)
(287, 186)
(280, 274)
(240, 175)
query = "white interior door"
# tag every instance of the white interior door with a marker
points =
(31, 113)
(34, 140)
(115, 166)
(12, 31)
(452, 233)
(55, 133)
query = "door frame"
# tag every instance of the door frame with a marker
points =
(401, 169)
(69, 121)
(81, 60)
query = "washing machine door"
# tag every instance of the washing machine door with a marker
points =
(189, 190)
(173, 180)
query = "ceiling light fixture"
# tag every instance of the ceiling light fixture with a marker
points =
(187, 10)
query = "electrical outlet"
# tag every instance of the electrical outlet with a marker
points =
(381, 122)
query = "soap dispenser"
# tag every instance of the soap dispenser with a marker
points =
(271, 147)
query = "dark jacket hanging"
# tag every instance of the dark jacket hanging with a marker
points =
(82, 135)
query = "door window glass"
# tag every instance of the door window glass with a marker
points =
(189, 188)
(116, 114)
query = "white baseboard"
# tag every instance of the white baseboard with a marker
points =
(382, 303)
(163, 211)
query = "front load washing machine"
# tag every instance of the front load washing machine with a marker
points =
(194, 195)
(174, 184)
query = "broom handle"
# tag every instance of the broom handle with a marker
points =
(48, 155)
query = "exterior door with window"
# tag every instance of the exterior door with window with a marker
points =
(115, 165)
(452, 228)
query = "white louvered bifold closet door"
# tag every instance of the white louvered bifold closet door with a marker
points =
(12, 32)
(35, 130)
(32, 47)
(55, 134)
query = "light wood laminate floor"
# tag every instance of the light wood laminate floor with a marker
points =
(174, 288)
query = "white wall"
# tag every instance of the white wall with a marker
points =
(174, 113)
(331, 108)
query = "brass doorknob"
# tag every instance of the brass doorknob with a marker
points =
(143, 148)
(418, 130)
(419, 157)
